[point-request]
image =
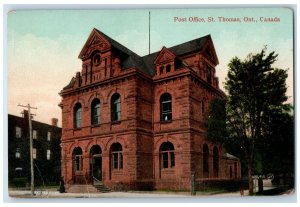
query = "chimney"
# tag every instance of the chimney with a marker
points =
(54, 122)
(78, 80)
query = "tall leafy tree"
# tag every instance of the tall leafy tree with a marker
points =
(277, 148)
(255, 89)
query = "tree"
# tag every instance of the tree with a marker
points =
(277, 147)
(254, 89)
(216, 121)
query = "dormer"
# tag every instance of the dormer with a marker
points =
(165, 62)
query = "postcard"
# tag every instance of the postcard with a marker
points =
(147, 103)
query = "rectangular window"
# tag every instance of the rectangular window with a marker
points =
(78, 162)
(34, 153)
(96, 114)
(161, 70)
(172, 159)
(48, 136)
(166, 110)
(115, 161)
(34, 134)
(165, 160)
(18, 132)
(18, 153)
(48, 154)
(78, 118)
(230, 171)
(115, 108)
(121, 161)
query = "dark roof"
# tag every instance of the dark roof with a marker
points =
(132, 60)
(178, 50)
(117, 45)
(146, 63)
(189, 46)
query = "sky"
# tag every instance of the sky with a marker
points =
(43, 45)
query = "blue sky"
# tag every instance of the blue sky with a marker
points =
(43, 46)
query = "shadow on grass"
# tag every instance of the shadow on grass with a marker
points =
(274, 191)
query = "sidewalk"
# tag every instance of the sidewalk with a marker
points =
(133, 194)
(129, 194)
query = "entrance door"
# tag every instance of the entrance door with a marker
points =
(97, 169)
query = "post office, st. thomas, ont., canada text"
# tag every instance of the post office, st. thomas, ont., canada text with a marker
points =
(223, 19)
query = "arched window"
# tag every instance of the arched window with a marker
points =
(205, 161)
(116, 156)
(167, 156)
(166, 107)
(95, 112)
(115, 104)
(77, 159)
(216, 161)
(77, 115)
(96, 59)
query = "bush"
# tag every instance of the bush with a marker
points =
(226, 185)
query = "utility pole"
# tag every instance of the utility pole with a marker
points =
(31, 145)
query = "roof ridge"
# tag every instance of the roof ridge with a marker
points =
(117, 44)
(174, 46)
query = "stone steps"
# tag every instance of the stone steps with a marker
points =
(81, 189)
(76, 188)
(102, 188)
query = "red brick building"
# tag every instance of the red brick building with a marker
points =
(138, 122)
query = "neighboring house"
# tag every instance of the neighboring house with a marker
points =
(46, 150)
(139, 122)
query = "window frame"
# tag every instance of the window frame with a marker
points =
(115, 108)
(161, 70)
(34, 134)
(95, 112)
(77, 116)
(48, 154)
(49, 136)
(166, 107)
(18, 132)
(18, 153)
(34, 153)
(168, 68)
(77, 159)
(167, 156)
(116, 156)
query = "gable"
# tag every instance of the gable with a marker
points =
(94, 42)
(209, 52)
(164, 56)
